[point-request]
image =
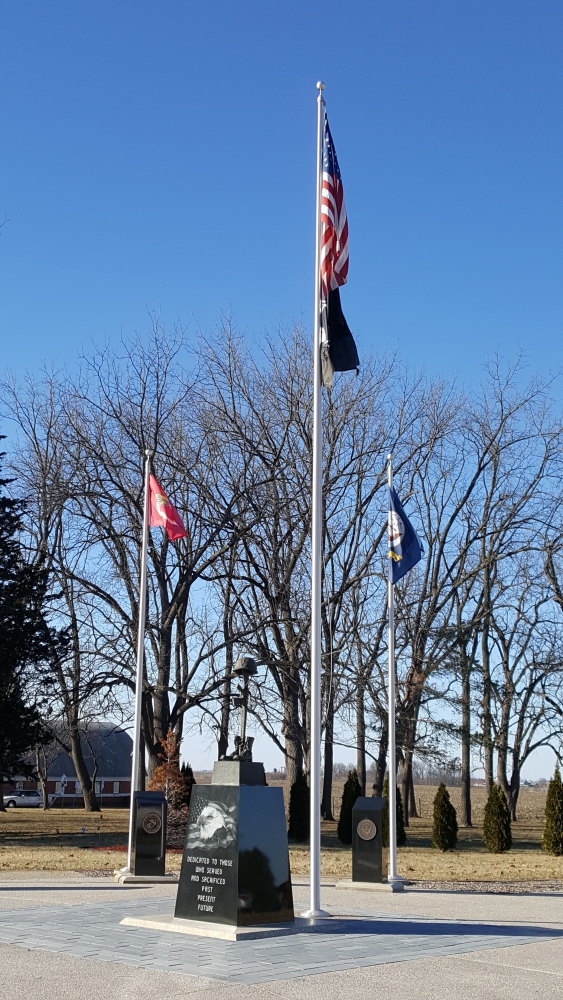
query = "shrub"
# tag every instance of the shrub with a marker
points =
(299, 810)
(401, 835)
(497, 833)
(352, 791)
(169, 779)
(444, 827)
(552, 841)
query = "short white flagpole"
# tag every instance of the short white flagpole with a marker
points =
(393, 877)
(316, 558)
(140, 661)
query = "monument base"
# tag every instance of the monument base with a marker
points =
(347, 883)
(223, 932)
(124, 878)
(238, 772)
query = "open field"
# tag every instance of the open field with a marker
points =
(31, 839)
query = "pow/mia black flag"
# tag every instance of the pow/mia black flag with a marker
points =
(338, 348)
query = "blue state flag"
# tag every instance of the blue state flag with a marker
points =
(405, 547)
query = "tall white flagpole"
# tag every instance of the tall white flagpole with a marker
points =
(140, 660)
(393, 877)
(316, 556)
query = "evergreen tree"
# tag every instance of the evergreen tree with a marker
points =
(552, 841)
(400, 816)
(299, 810)
(497, 832)
(444, 827)
(26, 643)
(352, 791)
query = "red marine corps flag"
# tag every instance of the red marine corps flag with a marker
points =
(163, 513)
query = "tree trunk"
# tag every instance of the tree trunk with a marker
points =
(142, 773)
(44, 794)
(487, 717)
(514, 792)
(181, 657)
(361, 736)
(293, 744)
(488, 762)
(223, 741)
(406, 781)
(502, 746)
(465, 809)
(293, 760)
(152, 748)
(381, 763)
(88, 789)
(160, 697)
(42, 776)
(306, 734)
(413, 812)
(326, 801)
(408, 743)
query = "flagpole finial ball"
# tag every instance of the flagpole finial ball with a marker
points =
(320, 85)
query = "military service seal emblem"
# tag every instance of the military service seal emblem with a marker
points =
(152, 823)
(366, 829)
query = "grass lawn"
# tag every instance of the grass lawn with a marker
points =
(31, 839)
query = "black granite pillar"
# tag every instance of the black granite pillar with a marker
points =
(235, 867)
(149, 843)
(367, 839)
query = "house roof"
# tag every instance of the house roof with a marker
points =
(103, 744)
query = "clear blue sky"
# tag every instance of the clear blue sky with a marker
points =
(160, 156)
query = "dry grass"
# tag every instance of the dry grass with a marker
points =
(61, 859)
(31, 839)
(531, 805)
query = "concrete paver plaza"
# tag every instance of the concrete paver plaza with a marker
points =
(60, 937)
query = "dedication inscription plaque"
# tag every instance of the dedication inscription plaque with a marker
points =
(235, 867)
(208, 878)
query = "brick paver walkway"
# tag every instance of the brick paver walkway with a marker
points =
(352, 940)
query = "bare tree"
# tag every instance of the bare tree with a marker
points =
(485, 481)
(231, 431)
(85, 453)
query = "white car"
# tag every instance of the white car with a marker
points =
(23, 798)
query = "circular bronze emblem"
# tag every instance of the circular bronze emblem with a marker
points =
(366, 829)
(152, 823)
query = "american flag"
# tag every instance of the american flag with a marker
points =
(334, 221)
